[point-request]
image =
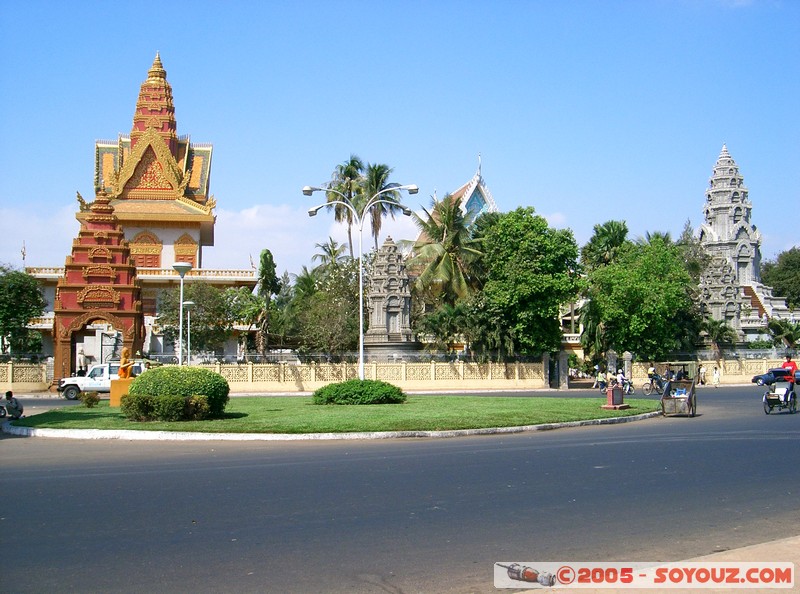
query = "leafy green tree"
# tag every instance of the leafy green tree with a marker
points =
(694, 255)
(213, 315)
(532, 270)
(247, 307)
(445, 325)
(479, 229)
(444, 252)
(268, 284)
(604, 245)
(327, 317)
(642, 302)
(485, 330)
(21, 300)
(783, 275)
(283, 321)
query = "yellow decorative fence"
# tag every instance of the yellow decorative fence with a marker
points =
(287, 377)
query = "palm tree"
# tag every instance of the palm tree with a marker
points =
(331, 254)
(305, 283)
(347, 178)
(784, 332)
(444, 251)
(593, 338)
(650, 238)
(603, 247)
(719, 332)
(375, 181)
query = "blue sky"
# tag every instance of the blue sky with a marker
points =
(585, 110)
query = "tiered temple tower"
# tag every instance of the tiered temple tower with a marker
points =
(158, 182)
(389, 304)
(99, 285)
(730, 288)
(152, 208)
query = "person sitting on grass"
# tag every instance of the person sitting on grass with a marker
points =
(13, 406)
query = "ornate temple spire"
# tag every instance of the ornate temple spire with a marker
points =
(726, 188)
(155, 109)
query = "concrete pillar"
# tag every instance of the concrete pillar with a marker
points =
(546, 369)
(627, 365)
(563, 370)
(611, 361)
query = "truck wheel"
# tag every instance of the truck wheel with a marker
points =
(71, 392)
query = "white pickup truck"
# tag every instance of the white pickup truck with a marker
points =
(97, 379)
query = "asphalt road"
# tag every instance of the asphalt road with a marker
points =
(417, 515)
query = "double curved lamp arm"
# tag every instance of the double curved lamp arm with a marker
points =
(359, 219)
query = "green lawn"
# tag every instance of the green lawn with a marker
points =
(299, 415)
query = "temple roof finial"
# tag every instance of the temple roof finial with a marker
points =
(157, 72)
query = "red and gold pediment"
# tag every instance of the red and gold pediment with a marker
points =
(98, 297)
(99, 253)
(99, 271)
(149, 174)
(150, 171)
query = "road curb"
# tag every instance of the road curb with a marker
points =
(131, 435)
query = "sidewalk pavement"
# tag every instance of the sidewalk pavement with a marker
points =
(784, 550)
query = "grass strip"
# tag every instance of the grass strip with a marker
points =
(299, 415)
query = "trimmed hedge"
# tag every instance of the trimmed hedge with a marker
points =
(143, 407)
(138, 407)
(359, 392)
(176, 393)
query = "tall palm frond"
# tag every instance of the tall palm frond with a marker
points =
(305, 283)
(331, 254)
(375, 181)
(784, 332)
(445, 250)
(719, 332)
(652, 237)
(347, 178)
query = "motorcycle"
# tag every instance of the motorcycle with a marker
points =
(627, 387)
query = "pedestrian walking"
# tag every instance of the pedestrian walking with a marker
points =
(715, 377)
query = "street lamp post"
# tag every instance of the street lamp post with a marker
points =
(181, 268)
(188, 305)
(359, 220)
